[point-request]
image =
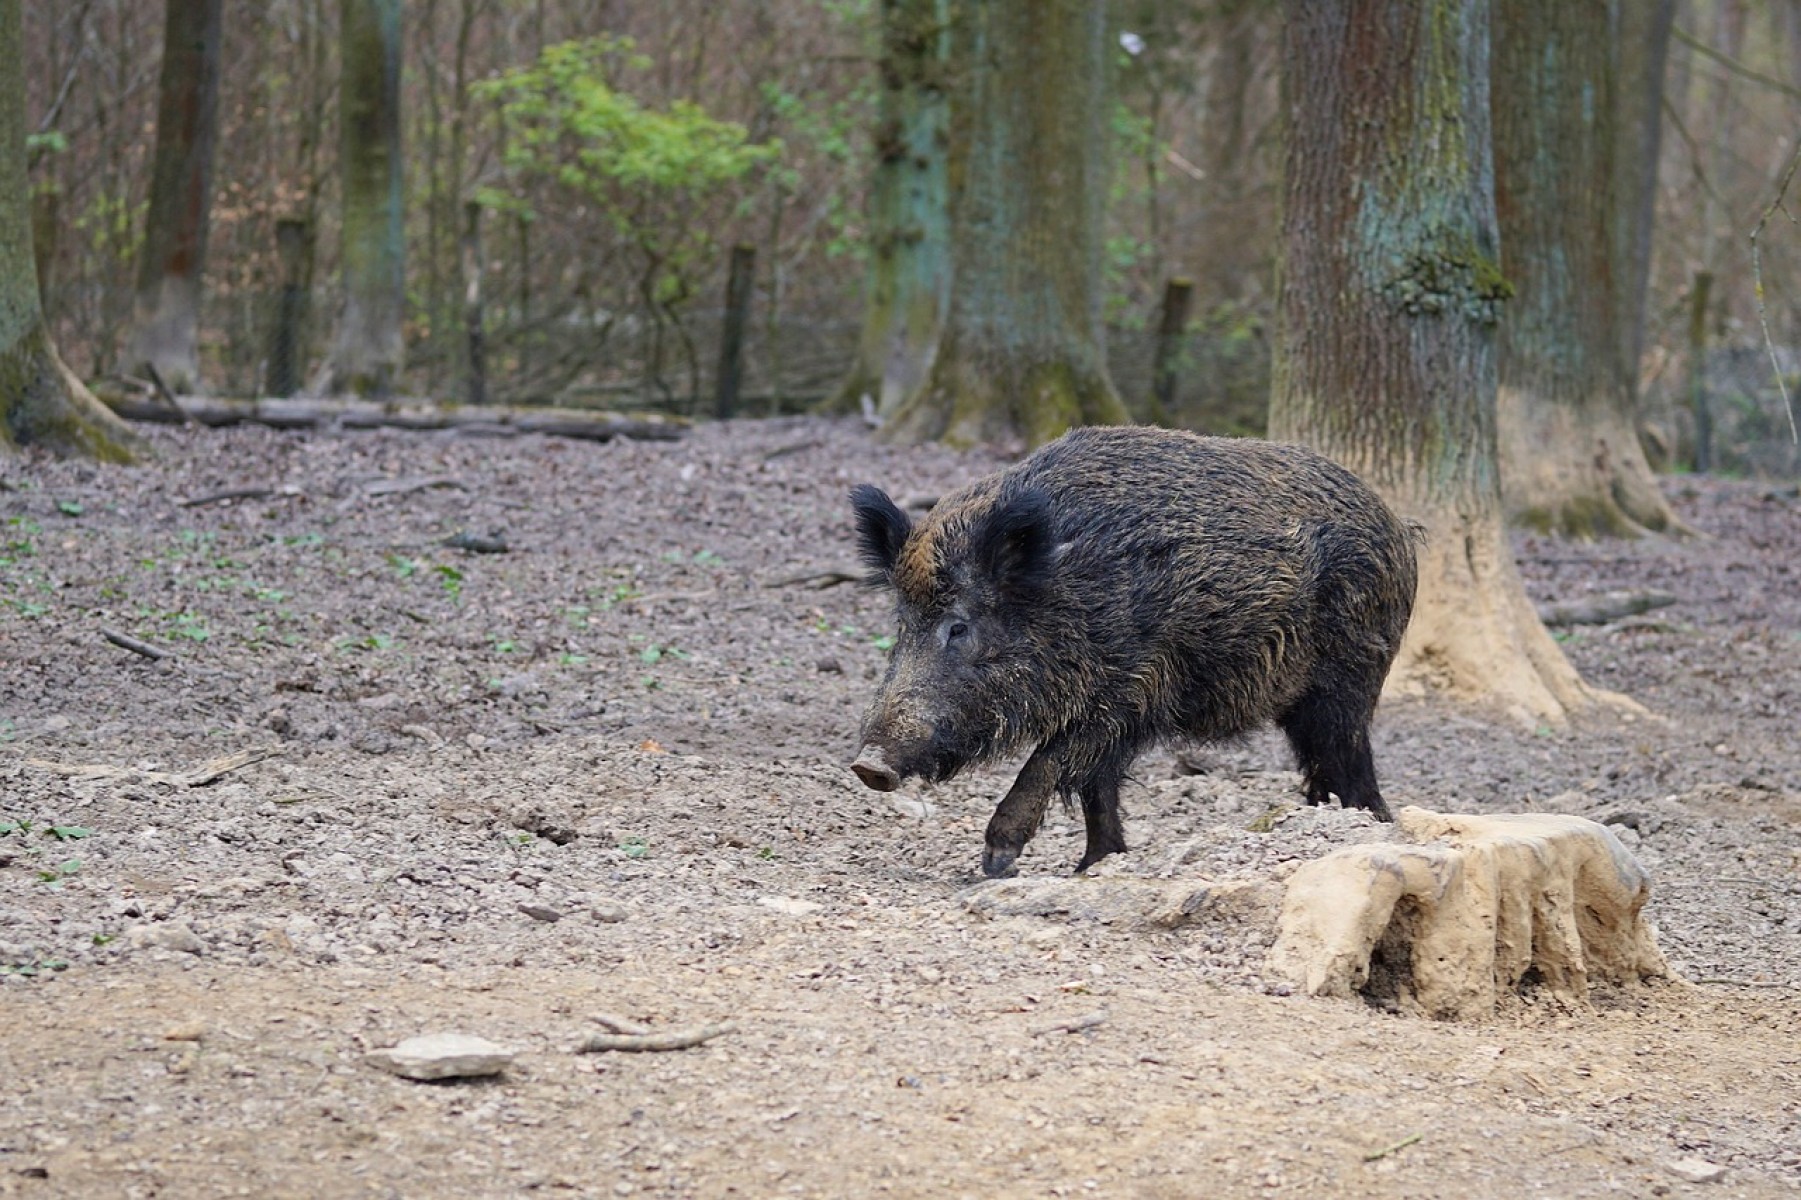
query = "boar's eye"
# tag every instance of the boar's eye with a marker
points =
(957, 630)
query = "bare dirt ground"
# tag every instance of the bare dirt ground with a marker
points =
(604, 773)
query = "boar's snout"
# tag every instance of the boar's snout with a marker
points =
(873, 769)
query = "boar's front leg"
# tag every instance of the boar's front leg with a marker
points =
(1017, 816)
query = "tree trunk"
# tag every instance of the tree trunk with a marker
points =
(909, 210)
(1389, 295)
(166, 308)
(1641, 51)
(1571, 462)
(1022, 355)
(368, 351)
(42, 403)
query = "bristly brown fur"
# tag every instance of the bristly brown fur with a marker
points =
(1127, 586)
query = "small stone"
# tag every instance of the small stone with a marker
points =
(830, 666)
(187, 1031)
(606, 912)
(540, 912)
(789, 905)
(1696, 1170)
(929, 974)
(442, 1056)
(920, 809)
(171, 936)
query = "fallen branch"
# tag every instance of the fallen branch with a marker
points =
(1378, 1155)
(673, 1039)
(1750, 983)
(200, 776)
(1608, 606)
(616, 1024)
(127, 642)
(237, 493)
(820, 578)
(791, 448)
(1074, 1024)
(312, 413)
(414, 483)
(475, 543)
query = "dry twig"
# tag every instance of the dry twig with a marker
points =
(1074, 1024)
(127, 642)
(1378, 1155)
(672, 1039)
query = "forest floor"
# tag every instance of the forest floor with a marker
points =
(604, 772)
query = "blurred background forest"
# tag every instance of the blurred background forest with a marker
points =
(757, 124)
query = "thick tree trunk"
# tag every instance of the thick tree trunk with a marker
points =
(166, 308)
(909, 210)
(1571, 462)
(1389, 296)
(1022, 356)
(367, 351)
(41, 401)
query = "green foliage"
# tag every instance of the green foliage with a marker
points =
(643, 170)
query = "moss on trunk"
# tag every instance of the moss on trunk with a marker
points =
(1389, 300)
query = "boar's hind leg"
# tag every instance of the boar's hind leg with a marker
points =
(1330, 732)
(1100, 812)
(1017, 816)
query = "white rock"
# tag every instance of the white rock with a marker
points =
(789, 905)
(442, 1056)
(1474, 904)
(1696, 1170)
(170, 936)
(908, 807)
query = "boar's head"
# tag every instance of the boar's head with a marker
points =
(970, 582)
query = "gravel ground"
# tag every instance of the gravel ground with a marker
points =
(604, 772)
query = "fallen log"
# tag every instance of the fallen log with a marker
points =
(313, 412)
(1603, 608)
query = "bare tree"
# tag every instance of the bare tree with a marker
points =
(368, 350)
(166, 308)
(42, 403)
(909, 209)
(1390, 292)
(1571, 462)
(1022, 356)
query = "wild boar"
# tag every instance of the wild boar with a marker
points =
(1123, 587)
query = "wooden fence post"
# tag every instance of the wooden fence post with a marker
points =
(731, 341)
(282, 374)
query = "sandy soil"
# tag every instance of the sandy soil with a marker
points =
(604, 773)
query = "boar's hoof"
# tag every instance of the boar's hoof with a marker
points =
(873, 769)
(998, 861)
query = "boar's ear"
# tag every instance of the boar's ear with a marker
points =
(882, 529)
(1015, 542)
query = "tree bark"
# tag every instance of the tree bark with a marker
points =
(166, 307)
(42, 403)
(1571, 462)
(1022, 356)
(1389, 295)
(368, 351)
(909, 210)
(1641, 51)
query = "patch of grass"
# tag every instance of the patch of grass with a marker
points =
(69, 508)
(451, 580)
